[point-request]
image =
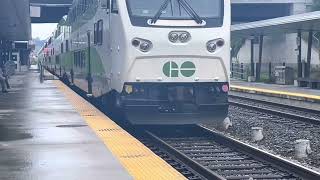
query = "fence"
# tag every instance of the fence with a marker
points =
(238, 71)
(241, 71)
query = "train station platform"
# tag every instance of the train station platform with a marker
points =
(287, 94)
(49, 132)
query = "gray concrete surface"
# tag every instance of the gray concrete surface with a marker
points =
(276, 87)
(281, 100)
(290, 102)
(42, 137)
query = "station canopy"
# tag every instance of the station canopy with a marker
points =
(285, 25)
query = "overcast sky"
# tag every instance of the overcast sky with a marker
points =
(43, 31)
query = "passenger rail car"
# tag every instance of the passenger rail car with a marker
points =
(159, 61)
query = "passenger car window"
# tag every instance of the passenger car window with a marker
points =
(100, 32)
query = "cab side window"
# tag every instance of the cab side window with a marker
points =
(98, 32)
(61, 48)
(114, 7)
(67, 45)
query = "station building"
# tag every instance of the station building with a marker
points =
(278, 49)
(16, 17)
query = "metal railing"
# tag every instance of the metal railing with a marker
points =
(238, 71)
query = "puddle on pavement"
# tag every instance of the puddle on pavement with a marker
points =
(11, 134)
(6, 111)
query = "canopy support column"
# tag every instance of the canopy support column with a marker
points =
(260, 57)
(299, 54)
(252, 57)
(309, 55)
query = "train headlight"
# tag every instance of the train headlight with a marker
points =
(145, 46)
(179, 36)
(215, 44)
(184, 37)
(211, 46)
(220, 42)
(135, 42)
(173, 37)
(142, 44)
(128, 89)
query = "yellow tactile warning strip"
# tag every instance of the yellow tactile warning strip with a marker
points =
(140, 162)
(276, 93)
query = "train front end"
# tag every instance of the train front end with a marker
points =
(177, 58)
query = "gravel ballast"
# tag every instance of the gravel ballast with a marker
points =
(279, 134)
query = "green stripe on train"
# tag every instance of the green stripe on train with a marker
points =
(67, 61)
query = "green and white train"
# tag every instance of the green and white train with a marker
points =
(159, 61)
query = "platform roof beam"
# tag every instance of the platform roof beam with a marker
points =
(288, 24)
(50, 11)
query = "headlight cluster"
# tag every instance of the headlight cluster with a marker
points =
(181, 36)
(143, 44)
(213, 45)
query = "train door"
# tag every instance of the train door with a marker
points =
(115, 44)
(89, 75)
(107, 58)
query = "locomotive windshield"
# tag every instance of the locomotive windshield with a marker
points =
(211, 11)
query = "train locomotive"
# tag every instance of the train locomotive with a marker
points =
(161, 62)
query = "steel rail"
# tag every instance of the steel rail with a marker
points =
(280, 162)
(207, 173)
(276, 112)
(275, 104)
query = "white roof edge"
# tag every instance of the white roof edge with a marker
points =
(277, 21)
(50, 5)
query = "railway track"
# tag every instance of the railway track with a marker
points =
(189, 172)
(216, 156)
(285, 111)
